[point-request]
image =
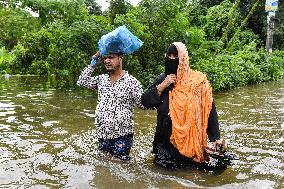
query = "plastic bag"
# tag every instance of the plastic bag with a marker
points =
(120, 40)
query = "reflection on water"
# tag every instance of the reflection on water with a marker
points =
(48, 140)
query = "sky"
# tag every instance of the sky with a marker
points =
(105, 3)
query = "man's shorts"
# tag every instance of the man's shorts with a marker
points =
(118, 147)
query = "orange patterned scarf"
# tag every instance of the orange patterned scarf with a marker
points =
(190, 103)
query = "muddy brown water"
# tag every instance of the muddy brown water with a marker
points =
(47, 140)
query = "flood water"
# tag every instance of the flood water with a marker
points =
(47, 140)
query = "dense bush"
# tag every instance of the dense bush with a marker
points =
(14, 24)
(60, 42)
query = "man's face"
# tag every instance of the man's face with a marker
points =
(112, 62)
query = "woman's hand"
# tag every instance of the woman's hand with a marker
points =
(170, 79)
(220, 145)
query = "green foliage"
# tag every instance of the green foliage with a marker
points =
(217, 20)
(59, 49)
(5, 56)
(241, 39)
(20, 63)
(93, 7)
(118, 7)
(61, 40)
(244, 67)
(257, 22)
(14, 24)
(210, 3)
(50, 10)
(157, 24)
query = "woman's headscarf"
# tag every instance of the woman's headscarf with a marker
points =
(190, 103)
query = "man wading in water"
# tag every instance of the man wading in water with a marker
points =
(118, 93)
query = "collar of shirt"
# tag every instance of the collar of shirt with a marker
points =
(122, 78)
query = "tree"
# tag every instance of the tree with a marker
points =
(220, 19)
(93, 7)
(257, 21)
(210, 3)
(49, 10)
(117, 7)
(14, 24)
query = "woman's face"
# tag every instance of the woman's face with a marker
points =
(171, 56)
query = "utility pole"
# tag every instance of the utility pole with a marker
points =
(270, 29)
(270, 7)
